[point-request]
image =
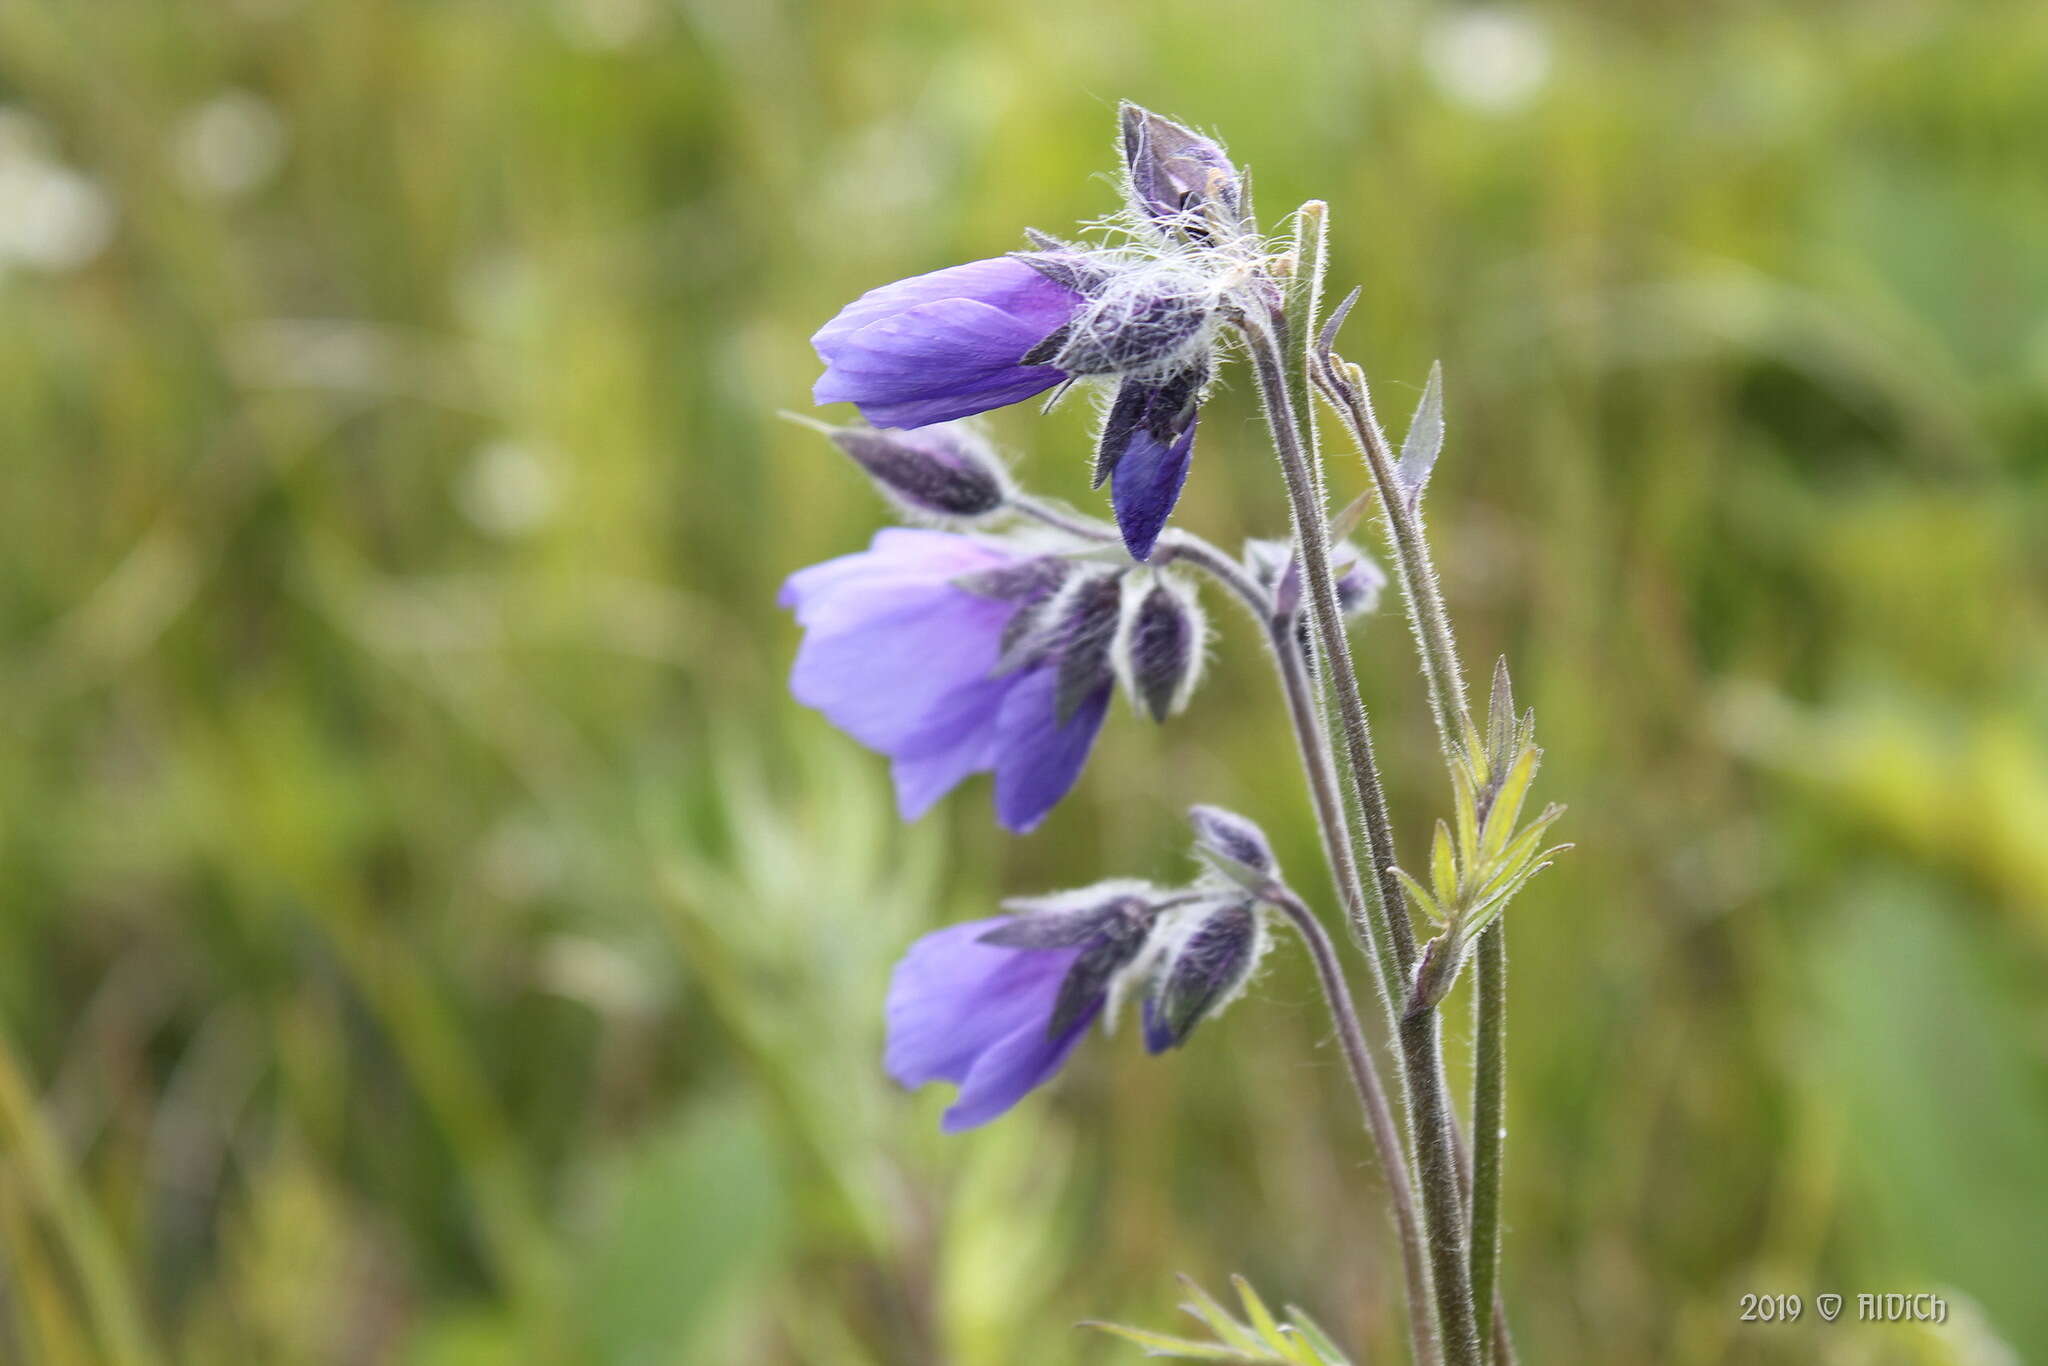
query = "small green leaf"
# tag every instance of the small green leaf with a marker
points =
(1443, 869)
(1507, 802)
(1188, 1349)
(1465, 809)
(1419, 894)
(1219, 1319)
(1348, 517)
(1500, 717)
(1510, 861)
(1326, 1350)
(1262, 1320)
(1425, 439)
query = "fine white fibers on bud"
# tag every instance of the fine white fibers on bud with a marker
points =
(943, 474)
(1227, 835)
(1084, 898)
(1203, 959)
(1161, 642)
(1149, 320)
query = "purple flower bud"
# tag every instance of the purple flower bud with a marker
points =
(1146, 447)
(1159, 645)
(1173, 172)
(943, 471)
(902, 648)
(1276, 568)
(1359, 579)
(995, 1006)
(1142, 321)
(945, 345)
(1230, 836)
(1083, 622)
(1203, 972)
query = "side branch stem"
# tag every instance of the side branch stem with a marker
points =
(1423, 594)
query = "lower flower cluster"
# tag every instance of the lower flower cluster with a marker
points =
(996, 1006)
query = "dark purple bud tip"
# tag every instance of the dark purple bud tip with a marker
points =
(1083, 623)
(1146, 446)
(1159, 646)
(1202, 974)
(1227, 835)
(1172, 172)
(945, 471)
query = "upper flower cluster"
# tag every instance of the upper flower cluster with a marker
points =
(1144, 314)
(956, 655)
(971, 646)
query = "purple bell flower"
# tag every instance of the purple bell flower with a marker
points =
(995, 1006)
(924, 647)
(975, 1014)
(945, 345)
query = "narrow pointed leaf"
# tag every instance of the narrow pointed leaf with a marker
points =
(1500, 716)
(1464, 808)
(1220, 1320)
(1517, 853)
(1425, 439)
(1337, 316)
(1489, 910)
(1349, 516)
(1187, 1349)
(1443, 869)
(1324, 1346)
(1263, 1323)
(1507, 803)
(1419, 894)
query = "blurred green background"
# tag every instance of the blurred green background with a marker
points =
(429, 934)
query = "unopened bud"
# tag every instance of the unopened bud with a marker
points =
(1203, 972)
(1111, 923)
(944, 471)
(1175, 175)
(1228, 837)
(1360, 579)
(1159, 645)
(1082, 622)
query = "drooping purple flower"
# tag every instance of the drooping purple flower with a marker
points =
(995, 1006)
(944, 345)
(1146, 447)
(951, 655)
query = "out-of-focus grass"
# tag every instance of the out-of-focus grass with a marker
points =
(430, 935)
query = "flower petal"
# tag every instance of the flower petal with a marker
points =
(935, 362)
(1037, 758)
(1012, 1069)
(886, 679)
(953, 997)
(1147, 484)
(1002, 282)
